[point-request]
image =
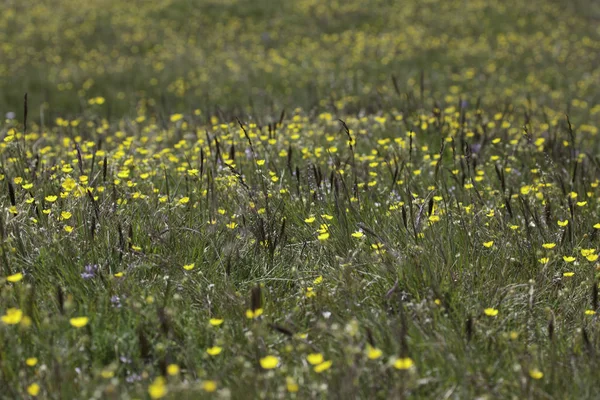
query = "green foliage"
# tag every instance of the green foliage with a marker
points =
(420, 221)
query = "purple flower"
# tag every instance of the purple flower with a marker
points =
(116, 301)
(133, 377)
(89, 271)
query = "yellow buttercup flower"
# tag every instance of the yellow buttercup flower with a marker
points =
(213, 351)
(324, 366)
(251, 314)
(173, 369)
(107, 373)
(314, 358)
(15, 278)
(403, 363)
(490, 312)
(291, 385)
(209, 386)
(33, 389)
(269, 362)
(13, 316)
(536, 374)
(323, 236)
(158, 388)
(176, 117)
(31, 361)
(373, 353)
(79, 322)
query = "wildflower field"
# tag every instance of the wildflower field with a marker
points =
(299, 199)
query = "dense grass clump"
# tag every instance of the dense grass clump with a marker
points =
(299, 200)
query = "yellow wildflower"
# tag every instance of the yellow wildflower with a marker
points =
(15, 277)
(33, 389)
(13, 316)
(314, 358)
(403, 363)
(373, 353)
(79, 322)
(324, 366)
(490, 312)
(269, 362)
(536, 374)
(158, 388)
(214, 351)
(209, 386)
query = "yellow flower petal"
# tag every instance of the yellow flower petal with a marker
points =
(172, 369)
(158, 388)
(13, 316)
(323, 236)
(373, 353)
(490, 312)
(324, 366)
(33, 389)
(31, 361)
(79, 322)
(403, 363)
(250, 314)
(176, 117)
(536, 374)
(209, 386)
(107, 373)
(15, 278)
(291, 385)
(269, 362)
(314, 358)
(214, 351)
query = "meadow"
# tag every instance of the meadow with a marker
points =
(299, 199)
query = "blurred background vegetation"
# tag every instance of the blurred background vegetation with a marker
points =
(259, 56)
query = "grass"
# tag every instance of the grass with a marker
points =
(302, 199)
